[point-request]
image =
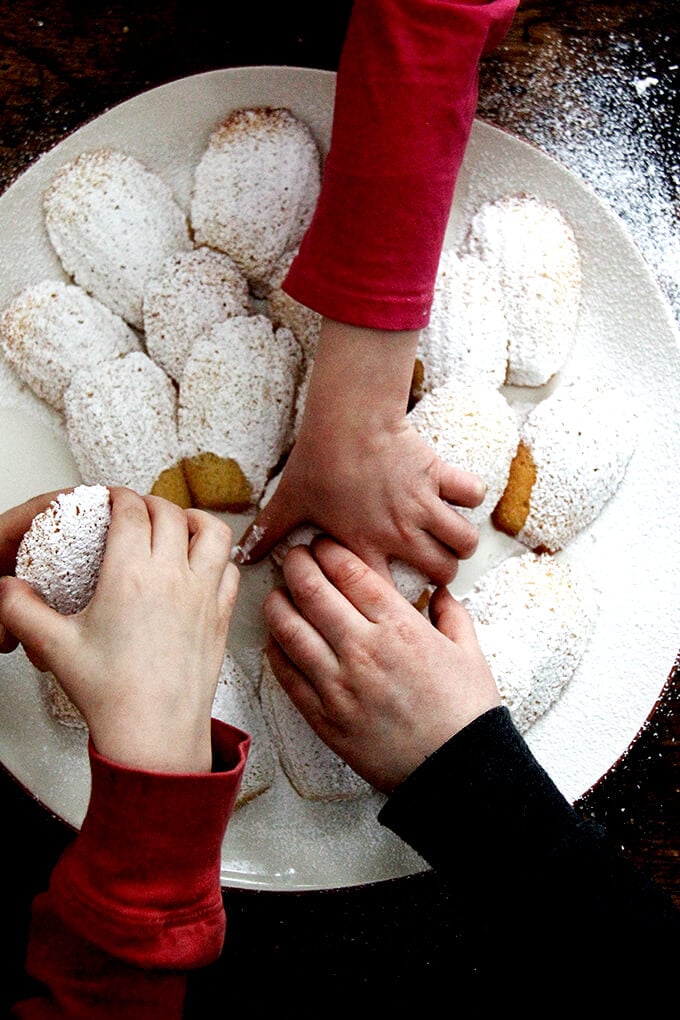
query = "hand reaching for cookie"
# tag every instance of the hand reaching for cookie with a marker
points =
(360, 472)
(381, 685)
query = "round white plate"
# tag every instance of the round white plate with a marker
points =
(627, 337)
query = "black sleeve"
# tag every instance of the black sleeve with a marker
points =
(529, 879)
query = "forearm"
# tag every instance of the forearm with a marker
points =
(361, 378)
(518, 858)
(135, 901)
(405, 102)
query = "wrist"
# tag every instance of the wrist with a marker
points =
(361, 377)
(134, 747)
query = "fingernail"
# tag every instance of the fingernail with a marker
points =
(240, 554)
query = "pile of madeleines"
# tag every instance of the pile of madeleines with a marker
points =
(179, 367)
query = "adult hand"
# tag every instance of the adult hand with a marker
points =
(141, 661)
(381, 685)
(361, 473)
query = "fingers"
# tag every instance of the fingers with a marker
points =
(453, 530)
(462, 488)
(209, 542)
(305, 647)
(210, 554)
(349, 583)
(294, 682)
(129, 534)
(169, 535)
(26, 618)
(274, 521)
(451, 618)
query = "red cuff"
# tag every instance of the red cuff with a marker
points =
(142, 879)
(405, 101)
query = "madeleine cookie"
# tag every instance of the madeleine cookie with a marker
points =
(530, 248)
(283, 310)
(235, 413)
(60, 557)
(573, 452)
(255, 188)
(112, 222)
(470, 425)
(534, 616)
(314, 771)
(191, 291)
(52, 329)
(235, 702)
(467, 335)
(122, 430)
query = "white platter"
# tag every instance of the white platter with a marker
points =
(627, 336)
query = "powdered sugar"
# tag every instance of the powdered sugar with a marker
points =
(467, 334)
(191, 292)
(530, 250)
(534, 617)
(113, 222)
(121, 422)
(604, 115)
(470, 425)
(237, 394)
(236, 703)
(581, 441)
(255, 188)
(53, 329)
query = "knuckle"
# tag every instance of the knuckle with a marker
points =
(351, 572)
(469, 540)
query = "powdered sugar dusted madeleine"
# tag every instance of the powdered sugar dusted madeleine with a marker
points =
(470, 425)
(534, 616)
(190, 292)
(284, 310)
(236, 703)
(61, 553)
(60, 557)
(572, 456)
(122, 428)
(531, 249)
(467, 335)
(313, 769)
(112, 222)
(52, 329)
(255, 188)
(235, 410)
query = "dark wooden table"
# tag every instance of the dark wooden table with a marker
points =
(593, 83)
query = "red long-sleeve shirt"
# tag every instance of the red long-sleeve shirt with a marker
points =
(405, 101)
(135, 901)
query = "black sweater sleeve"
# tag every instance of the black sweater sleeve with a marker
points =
(528, 877)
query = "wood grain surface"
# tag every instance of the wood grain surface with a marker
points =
(63, 63)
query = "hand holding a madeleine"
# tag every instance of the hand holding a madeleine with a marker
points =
(141, 660)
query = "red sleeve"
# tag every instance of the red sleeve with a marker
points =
(406, 95)
(136, 900)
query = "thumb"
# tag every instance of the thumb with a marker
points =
(270, 526)
(25, 618)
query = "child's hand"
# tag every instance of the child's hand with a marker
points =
(141, 661)
(361, 473)
(381, 685)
